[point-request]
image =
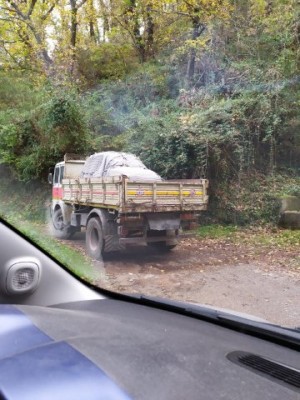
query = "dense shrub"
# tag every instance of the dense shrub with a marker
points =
(35, 141)
(105, 61)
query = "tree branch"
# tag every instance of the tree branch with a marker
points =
(81, 4)
(171, 12)
(26, 19)
(124, 26)
(13, 20)
(18, 11)
(6, 19)
(189, 4)
(31, 8)
(46, 15)
(8, 41)
(7, 9)
(10, 55)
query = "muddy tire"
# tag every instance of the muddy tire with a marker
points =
(94, 240)
(60, 229)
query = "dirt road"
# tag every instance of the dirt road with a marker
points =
(261, 281)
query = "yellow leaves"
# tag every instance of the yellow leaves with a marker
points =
(258, 7)
(51, 21)
(199, 43)
(187, 119)
(273, 14)
(203, 9)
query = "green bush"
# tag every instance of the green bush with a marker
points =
(253, 200)
(293, 189)
(105, 61)
(35, 141)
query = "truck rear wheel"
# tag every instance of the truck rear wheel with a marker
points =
(94, 239)
(61, 230)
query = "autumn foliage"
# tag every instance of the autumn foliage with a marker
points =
(194, 87)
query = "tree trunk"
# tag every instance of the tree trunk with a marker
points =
(106, 21)
(92, 30)
(92, 21)
(134, 27)
(149, 32)
(198, 29)
(73, 23)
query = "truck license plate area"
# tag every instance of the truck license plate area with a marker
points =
(161, 221)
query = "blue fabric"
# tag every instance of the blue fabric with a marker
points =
(34, 367)
(17, 332)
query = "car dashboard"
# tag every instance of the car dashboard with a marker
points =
(89, 344)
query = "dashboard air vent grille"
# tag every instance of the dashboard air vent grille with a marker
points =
(270, 369)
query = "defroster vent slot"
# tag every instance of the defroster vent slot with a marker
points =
(270, 369)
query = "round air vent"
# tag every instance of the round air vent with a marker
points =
(22, 277)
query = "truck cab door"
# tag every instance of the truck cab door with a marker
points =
(57, 191)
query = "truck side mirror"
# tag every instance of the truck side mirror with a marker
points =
(50, 178)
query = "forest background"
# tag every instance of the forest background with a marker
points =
(195, 88)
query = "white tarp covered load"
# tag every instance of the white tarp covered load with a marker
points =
(112, 163)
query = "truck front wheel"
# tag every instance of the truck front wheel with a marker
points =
(94, 239)
(61, 230)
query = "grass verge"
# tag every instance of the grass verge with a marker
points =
(266, 236)
(24, 207)
(71, 258)
(217, 231)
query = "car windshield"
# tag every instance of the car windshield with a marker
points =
(201, 98)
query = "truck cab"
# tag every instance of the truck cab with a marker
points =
(55, 180)
(60, 211)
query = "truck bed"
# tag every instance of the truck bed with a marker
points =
(128, 196)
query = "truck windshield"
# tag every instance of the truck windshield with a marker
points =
(61, 173)
(56, 175)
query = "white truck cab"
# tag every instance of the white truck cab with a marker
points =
(60, 211)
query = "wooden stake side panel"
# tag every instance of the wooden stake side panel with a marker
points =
(167, 193)
(127, 196)
(93, 191)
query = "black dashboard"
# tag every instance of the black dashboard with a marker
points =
(67, 340)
